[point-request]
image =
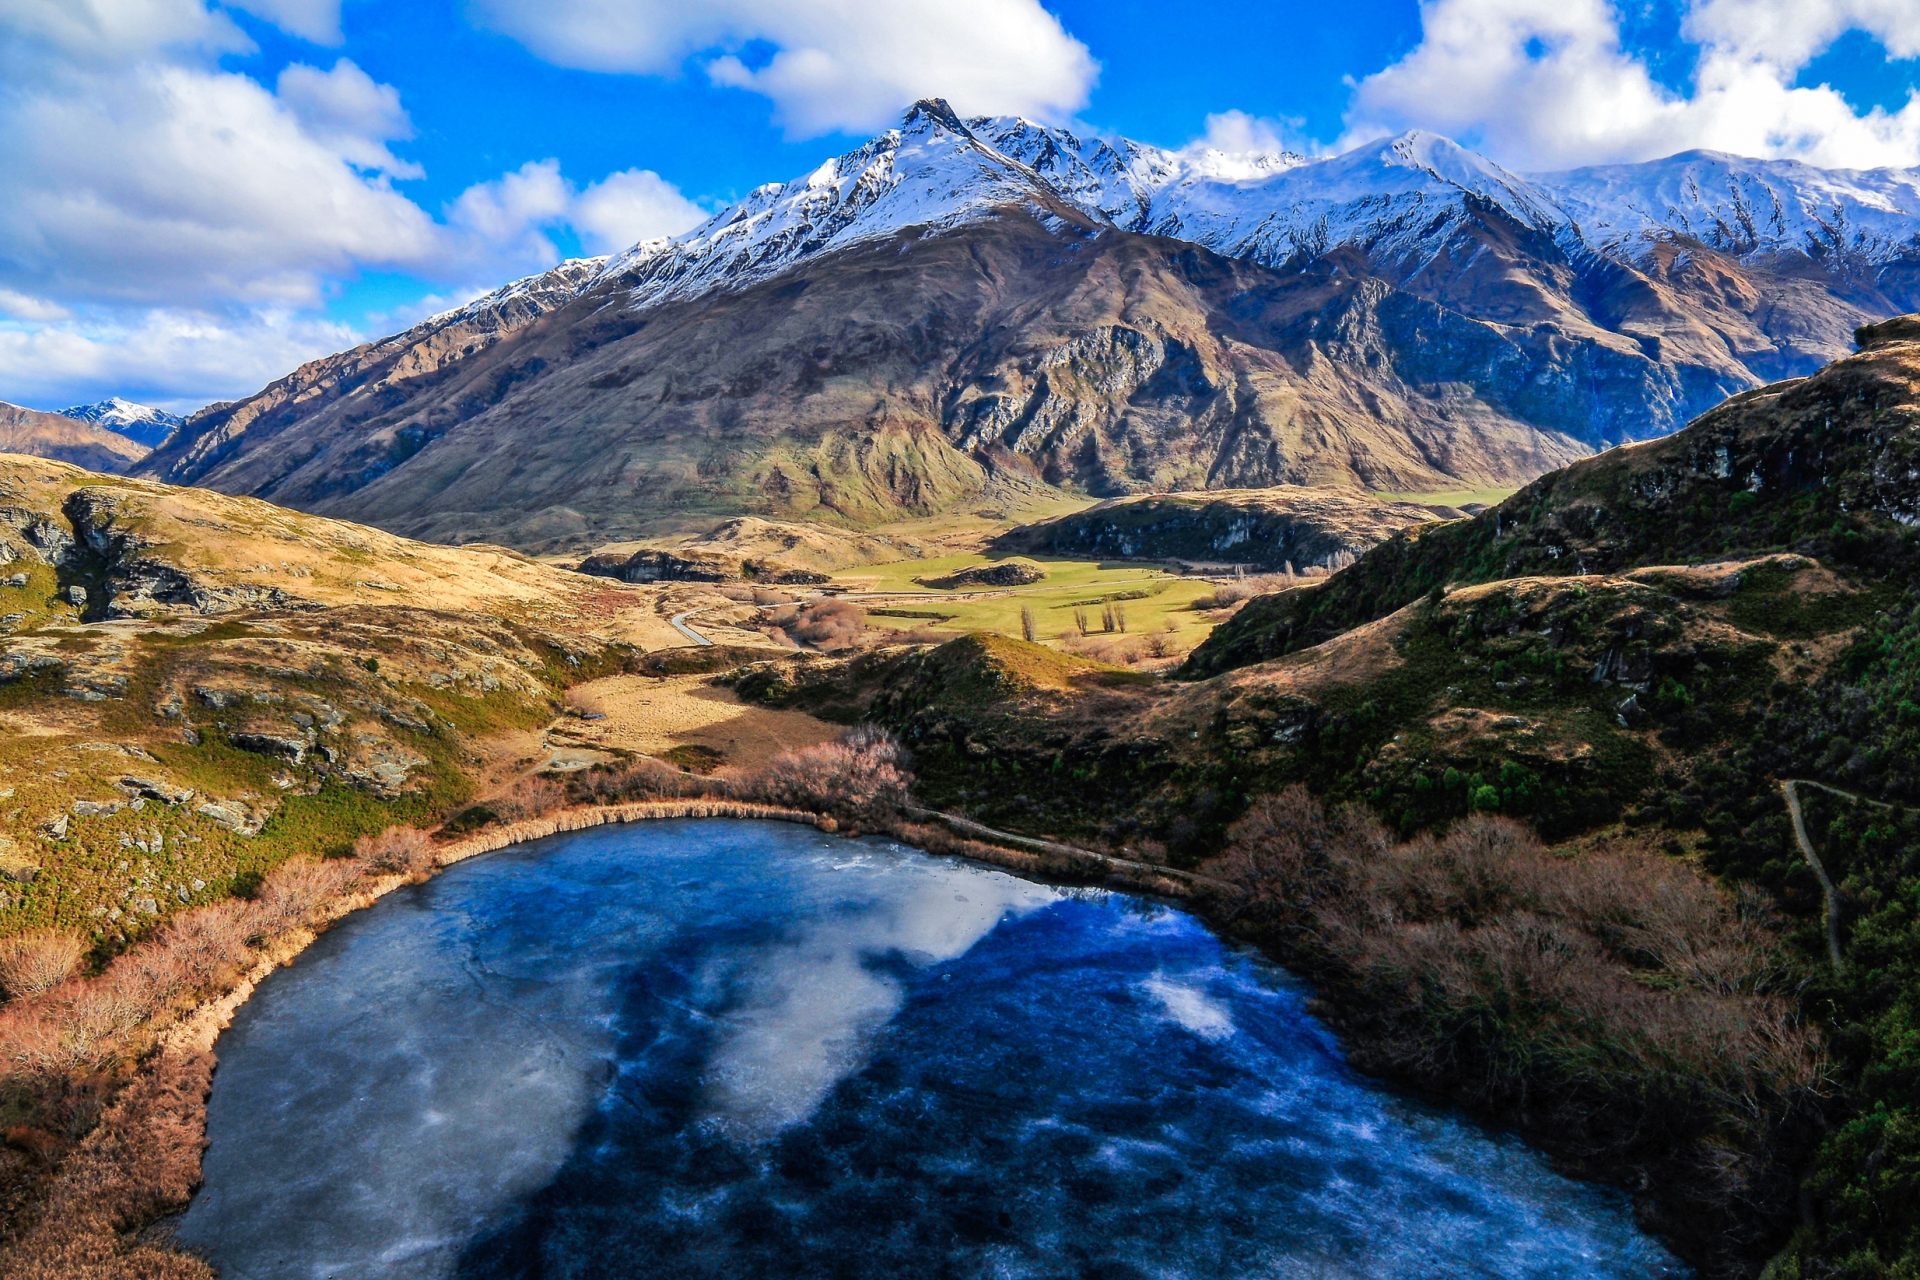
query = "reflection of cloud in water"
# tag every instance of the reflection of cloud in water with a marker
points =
(810, 1005)
(1191, 1007)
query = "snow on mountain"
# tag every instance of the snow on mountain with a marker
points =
(930, 172)
(541, 291)
(137, 422)
(1745, 207)
(1396, 199)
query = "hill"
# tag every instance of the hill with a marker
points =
(1292, 528)
(962, 310)
(1823, 465)
(194, 687)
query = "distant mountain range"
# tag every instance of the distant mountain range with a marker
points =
(137, 422)
(66, 439)
(964, 308)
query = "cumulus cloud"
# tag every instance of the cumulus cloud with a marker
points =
(315, 20)
(177, 359)
(834, 64)
(169, 225)
(348, 110)
(627, 207)
(1549, 83)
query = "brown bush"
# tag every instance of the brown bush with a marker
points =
(828, 624)
(529, 798)
(296, 889)
(39, 960)
(1621, 1001)
(206, 943)
(397, 851)
(646, 779)
(864, 777)
(142, 1160)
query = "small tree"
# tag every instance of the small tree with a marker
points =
(39, 960)
(1029, 631)
(1080, 620)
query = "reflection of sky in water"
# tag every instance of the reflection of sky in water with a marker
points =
(743, 1050)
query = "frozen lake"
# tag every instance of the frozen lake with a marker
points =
(726, 1049)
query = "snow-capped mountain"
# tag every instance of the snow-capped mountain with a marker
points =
(137, 422)
(1746, 208)
(1395, 199)
(957, 306)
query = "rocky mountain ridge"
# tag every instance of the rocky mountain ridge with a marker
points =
(139, 423)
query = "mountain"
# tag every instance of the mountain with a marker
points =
(66, 439)
(963, 308)
(137, 422)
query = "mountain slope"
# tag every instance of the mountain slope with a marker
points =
(66, 439)
(1827, 466)
(959, 306)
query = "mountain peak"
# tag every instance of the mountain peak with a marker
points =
(935, 112)
(137, 422)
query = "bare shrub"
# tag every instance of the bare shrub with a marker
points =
(828, 624)
(206, 943)
(141, 1161)
(39, 960)
(1609, 994)
(296, 889)
(646, 779)
(397, 851)
(529, 798)
(862, 778)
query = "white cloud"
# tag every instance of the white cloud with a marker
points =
(172, 358)
(1547, 83)
(315, 20)
(350, 111)
(627, 207)
(836, 64)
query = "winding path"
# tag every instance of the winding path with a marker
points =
(679, 621)
(1790, 788)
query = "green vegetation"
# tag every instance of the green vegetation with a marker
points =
(1156, 601)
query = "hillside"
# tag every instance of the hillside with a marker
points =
(962, 311)
(195, 687)
(1282, 529)
(1824, 465)
(64, 439)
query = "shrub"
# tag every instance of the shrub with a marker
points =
(38, 960)
(529, 798)
(646, 779)
(295, 890)
(827, 624)
(1607, 995)
(397, 851)
(863, 777)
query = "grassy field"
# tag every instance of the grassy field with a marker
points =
(1153, 601)
(1452, 497)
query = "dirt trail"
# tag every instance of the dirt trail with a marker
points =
(1790, 788)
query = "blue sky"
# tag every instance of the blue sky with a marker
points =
(206, 192)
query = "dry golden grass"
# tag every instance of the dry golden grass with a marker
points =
(649, 716)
